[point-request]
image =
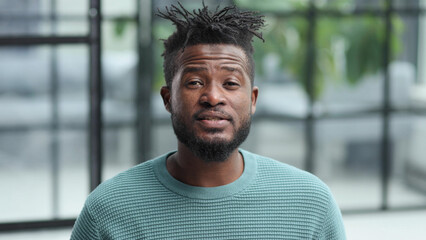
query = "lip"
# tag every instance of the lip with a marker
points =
(212, 119)
(217, 124)
(212, 115)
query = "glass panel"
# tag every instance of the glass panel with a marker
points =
(119, 149)
(280, 67)
(30, 17)
(163, 138)
(73, 71)
(348, 160)
(73, 108)
(349, 64)
(119, 39)
(272, 5)
(25, 7)
(70, 27)
(422, 51)
(25, 175)
(408, 179)
(349, 5)
(405, 51)
(412, 4)
(72, 7)
(418, 89)
(280, 140)
(19, 88)
(119, 61)
(43, 144)
(119, 8)
(73, 172)
(22, 17)
(28, 26)
(72, 17)
(403, 70)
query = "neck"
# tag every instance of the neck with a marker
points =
(192, 170)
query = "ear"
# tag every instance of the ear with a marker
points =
(254, 94)
(165, 94)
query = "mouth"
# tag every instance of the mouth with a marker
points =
(211, 119)
(213, 116)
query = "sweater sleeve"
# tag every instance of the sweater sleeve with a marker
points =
(85, 226)
(333, 228)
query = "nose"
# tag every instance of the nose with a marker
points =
(212, 95)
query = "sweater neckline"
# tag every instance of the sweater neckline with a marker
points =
(195, 192)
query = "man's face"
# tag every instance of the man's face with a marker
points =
(211, 99)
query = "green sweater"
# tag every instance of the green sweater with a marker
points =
(270, 200)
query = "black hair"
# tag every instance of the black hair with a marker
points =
(228, 25)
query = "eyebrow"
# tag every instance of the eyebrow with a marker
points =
(232, 69)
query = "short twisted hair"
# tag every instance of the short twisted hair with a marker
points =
(223, 26)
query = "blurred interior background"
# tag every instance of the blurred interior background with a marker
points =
(342, 95)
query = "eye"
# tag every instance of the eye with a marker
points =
(231, 84)
(194, 83)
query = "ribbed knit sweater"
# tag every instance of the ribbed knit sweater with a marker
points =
(270, 200)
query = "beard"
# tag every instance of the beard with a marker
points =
(215, 150)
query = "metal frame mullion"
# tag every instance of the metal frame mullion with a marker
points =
(144, 80)
(310, 88)
(17, 226)
(38, 40)
(95, 86)
(386, 147)
(54, 115)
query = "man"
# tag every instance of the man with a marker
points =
(208, 188)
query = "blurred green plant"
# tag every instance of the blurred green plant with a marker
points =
(120, 26)
(346, 49)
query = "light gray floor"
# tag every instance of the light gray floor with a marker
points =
(389, 226)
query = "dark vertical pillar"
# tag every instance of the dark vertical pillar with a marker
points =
(386, 111)
(54, 115)
(144, 81)
(310, 89)
(414, 51)
(95, 125)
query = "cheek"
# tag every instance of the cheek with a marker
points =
(187, 100)
(181, 105)
(243, 105)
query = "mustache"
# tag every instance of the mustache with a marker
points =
(215, 110)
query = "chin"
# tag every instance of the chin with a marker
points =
(216, 138)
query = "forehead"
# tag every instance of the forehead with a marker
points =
(201, 53)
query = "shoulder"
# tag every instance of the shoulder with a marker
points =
(126, 186)
(297, 193)
(273, 174)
